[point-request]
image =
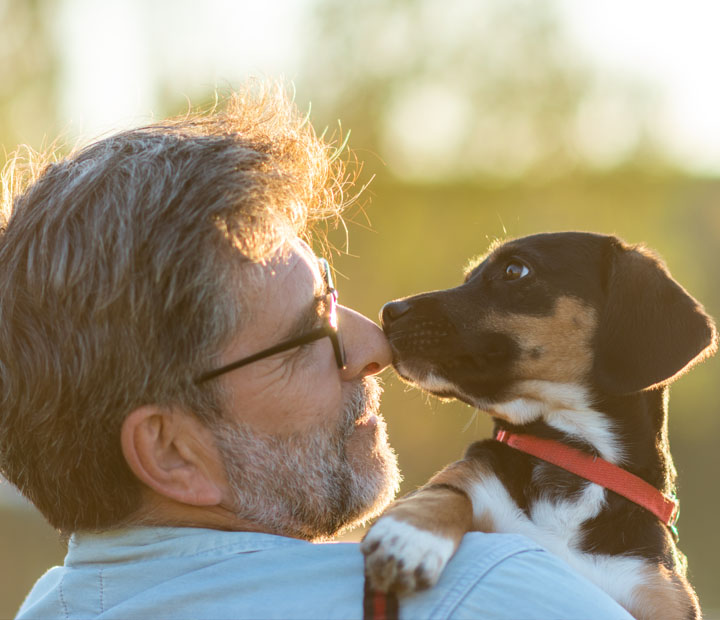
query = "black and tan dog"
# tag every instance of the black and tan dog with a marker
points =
(569, 341)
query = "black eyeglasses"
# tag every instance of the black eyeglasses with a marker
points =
(328, 329)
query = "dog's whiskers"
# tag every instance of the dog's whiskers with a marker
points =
(473, 418)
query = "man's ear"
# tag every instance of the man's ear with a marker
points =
(174, 454)
(650, 329)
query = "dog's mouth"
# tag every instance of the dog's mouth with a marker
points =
(430, 380)
(449, 370)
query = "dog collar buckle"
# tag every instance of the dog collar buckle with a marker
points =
(672, 524)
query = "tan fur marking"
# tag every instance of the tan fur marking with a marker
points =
(439, 510)
(664, 596)
(554, 348)
(464, 475)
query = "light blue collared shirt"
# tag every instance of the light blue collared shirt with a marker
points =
(164, 572)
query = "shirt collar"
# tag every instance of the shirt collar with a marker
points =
(146, 543)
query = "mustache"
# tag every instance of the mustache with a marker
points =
(364, 400)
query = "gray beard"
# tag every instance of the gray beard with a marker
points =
(304, 485)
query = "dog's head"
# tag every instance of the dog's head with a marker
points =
(577, 309)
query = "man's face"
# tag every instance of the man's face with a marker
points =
(304, 446)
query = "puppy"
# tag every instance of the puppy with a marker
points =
(569, 341)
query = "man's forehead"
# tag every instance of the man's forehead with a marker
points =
(302, 246)
(293, 267)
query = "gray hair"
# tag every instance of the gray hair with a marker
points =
(119, 281)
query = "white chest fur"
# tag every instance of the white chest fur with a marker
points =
(556, 525)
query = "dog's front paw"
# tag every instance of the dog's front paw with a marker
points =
(402, 558)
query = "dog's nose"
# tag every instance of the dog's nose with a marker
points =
(392, 311)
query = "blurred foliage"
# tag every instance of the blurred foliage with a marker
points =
(28, 73)
(462, 90)
(29, 547)
(479, 121)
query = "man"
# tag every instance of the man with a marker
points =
(177, 396)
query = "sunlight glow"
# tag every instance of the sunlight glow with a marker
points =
(672, 46)
(119, 56)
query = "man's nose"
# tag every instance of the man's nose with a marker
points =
(392, 311)
(366, 346)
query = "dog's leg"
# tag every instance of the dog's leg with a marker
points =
(663, 595)
(409, 546)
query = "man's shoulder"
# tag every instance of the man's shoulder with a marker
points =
(511, 576)
(490, 575)
(475, 546)
(196, 574)
(477, 554)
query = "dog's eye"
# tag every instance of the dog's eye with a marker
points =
(515, 270)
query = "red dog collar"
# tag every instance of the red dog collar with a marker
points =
(599, 471)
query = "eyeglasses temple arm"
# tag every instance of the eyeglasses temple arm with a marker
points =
(311, 336)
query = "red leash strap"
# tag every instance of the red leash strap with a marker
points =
(378, 605)
(596, 470)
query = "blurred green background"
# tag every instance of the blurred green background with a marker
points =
(475, 120)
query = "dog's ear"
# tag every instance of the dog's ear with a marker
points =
(650, 328)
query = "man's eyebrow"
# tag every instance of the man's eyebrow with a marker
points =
(308, 318)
